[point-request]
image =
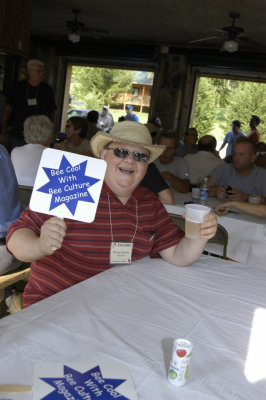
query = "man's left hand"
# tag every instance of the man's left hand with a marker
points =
(237, 195)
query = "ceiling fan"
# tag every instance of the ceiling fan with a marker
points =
(231, 34)
(77, 28)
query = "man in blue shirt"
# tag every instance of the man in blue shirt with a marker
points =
(231, 137)
(9, 193)
(129, 115)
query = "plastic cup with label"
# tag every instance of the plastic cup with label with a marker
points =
(195, 215)
(179, 364)
(195, 195)
(253, 199)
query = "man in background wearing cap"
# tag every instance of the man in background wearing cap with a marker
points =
(130, 116)
(129, 217)
(105, 120)
(231, 137)
(254, 134)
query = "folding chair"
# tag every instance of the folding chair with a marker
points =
(25, 194)
(220, 238)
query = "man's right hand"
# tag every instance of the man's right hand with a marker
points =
(52, 236)
(221, 192)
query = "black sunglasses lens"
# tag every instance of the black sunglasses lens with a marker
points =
(141, 157)
(121, 153)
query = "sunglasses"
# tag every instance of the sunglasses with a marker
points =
(121, 152)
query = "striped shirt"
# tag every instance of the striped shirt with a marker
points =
(86, 247)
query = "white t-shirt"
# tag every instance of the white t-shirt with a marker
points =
(177, 167)
(26, 161)
(201, 164)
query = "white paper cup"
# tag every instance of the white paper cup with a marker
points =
(195, 193)
(195, 215)
(254, 199)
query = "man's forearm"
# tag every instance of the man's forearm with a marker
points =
(222, 146)
(182, 185)
(185, 252)
(23, 244)
(254, 209)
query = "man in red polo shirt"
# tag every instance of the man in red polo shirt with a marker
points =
(65, 252)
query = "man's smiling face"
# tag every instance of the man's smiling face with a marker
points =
(123, 174)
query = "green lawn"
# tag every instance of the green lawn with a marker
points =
(143, 117)
(218, 132)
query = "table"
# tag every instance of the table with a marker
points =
(131, 315)
(246, 233)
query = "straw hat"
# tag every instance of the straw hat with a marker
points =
(127, 132)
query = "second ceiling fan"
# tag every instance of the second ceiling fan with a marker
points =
(231, 33)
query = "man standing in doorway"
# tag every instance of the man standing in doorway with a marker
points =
(231, 137)
(254, 134)
(130, 116)
(29, 97)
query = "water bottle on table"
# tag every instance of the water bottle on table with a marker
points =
(204, 191)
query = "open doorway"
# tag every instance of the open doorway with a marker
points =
(90, 88)
(219, 101)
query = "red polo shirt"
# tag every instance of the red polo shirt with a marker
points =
(86, 248)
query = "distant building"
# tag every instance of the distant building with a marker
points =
(141, 91)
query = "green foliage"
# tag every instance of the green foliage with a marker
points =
(99, 86)
(249, 98)
(220, 101)
(205, 111)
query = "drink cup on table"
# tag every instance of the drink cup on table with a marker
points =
(195, 194)
(195, 215)
(252, 198)
(178, 370)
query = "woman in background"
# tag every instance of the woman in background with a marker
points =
(38, 130)
(76, 142)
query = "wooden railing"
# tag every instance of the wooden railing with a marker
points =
(127, 98)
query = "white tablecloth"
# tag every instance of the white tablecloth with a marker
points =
(246, 233)
(131, 315)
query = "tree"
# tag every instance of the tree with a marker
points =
(205, 110)
(247, 99)
(99, 86)
(221, 101)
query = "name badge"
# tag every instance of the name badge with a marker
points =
(32, 102)
(121, 252)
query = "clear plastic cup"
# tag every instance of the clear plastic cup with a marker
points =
(253, 199)
(195, 194)
(195, 215)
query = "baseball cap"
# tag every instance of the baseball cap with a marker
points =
(237, 123)
(129, 107)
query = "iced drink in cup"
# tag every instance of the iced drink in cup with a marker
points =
(195, 194)
(253, 199)
(195, 215)
(178, 369)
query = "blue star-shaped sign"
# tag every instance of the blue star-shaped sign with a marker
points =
(79, 386)
(68, 184)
